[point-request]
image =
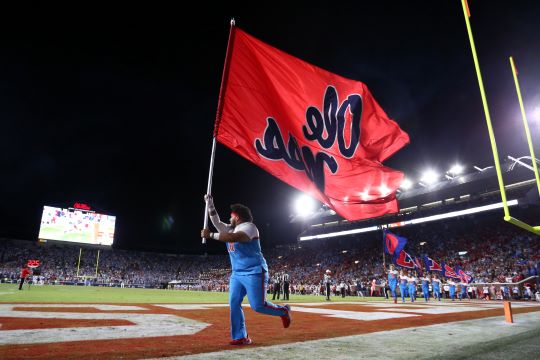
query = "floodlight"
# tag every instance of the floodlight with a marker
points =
(406, 184)
(429, 177)
(535, 114)
(304, 206)
(456, 169)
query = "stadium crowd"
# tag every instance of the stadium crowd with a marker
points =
(491, 252)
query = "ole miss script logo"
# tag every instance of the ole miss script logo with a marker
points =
(324, 128)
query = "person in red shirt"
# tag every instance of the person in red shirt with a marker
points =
(24, 274)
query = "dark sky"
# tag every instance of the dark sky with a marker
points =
(114, 105)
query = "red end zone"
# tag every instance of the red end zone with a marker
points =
(143, 331)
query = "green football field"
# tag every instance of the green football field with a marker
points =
(91, 294)
(57, 232)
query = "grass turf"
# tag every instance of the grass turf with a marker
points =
(9, 293)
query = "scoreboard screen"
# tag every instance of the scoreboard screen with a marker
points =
(76, 225)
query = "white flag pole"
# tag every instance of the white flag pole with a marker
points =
(209, 186)
(218, 118)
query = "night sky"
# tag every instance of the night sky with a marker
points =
(114, 105)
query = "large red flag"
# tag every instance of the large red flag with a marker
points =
(317, 131)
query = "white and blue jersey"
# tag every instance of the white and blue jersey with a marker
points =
(436, 288)
(452, 289)
(392, 282)
(425, 287)
(412, 287)
(463, 292)
(403, 286)
(249, 277)
(246, 257)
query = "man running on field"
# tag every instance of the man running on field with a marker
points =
(249, 270)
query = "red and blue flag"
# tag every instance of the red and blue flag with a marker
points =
(465, 278)
(393, 244)
(432, 265)
(449, 272)
(403, 260)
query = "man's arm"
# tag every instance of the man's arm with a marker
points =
(233, 237)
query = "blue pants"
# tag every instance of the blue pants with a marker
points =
(393, 285)
(412, 291)
(437, 293)
(402, 289)
(254, 286)
(452, 292)
(425, 290)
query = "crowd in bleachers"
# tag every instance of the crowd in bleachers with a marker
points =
(61, 265)
(495, 252)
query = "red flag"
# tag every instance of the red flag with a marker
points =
(317, 131)
(404, 260)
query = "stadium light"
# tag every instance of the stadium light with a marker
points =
(423, 243)
(344, 251)
(535, 114)
(429, 177)
(461, 253)
(356, 261)
(456, 169)
(406, 184)
(304, 206)
(413, 221)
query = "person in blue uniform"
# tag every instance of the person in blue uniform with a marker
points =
(411, 279)
(452, 288)
(249, 269)
(463, 293)
(402, 284)
(392, 281)
(436, 282)
(425, 286)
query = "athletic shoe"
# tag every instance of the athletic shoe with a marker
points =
(395, 301)
(242, 341)
(286, 319)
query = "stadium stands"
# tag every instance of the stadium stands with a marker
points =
(495, 252)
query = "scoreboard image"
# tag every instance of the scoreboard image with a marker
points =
(76, 225)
